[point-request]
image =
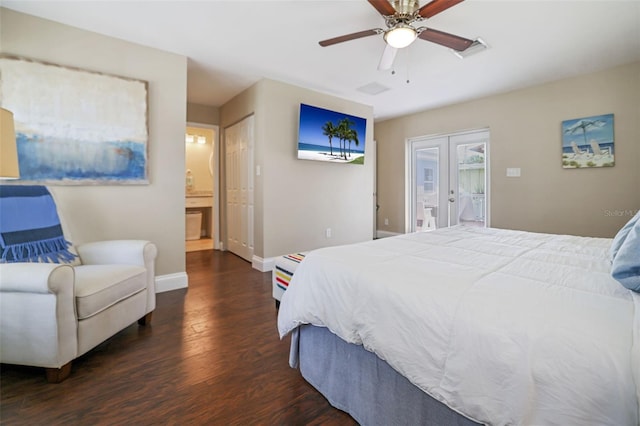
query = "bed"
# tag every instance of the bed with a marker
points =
(469, 325)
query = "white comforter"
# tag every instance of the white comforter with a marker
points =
(505, 327)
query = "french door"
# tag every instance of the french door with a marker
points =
(447, 181)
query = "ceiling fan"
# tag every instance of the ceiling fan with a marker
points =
(399, 15)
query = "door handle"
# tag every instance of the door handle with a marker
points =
(452, 200)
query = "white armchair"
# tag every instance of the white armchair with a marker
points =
(51, 313)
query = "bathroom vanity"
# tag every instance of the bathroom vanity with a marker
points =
(201, 201)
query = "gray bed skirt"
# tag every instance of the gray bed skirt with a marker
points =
(356, 381)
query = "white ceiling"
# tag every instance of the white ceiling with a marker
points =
(233, 44)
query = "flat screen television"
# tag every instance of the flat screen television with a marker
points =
(330, 136)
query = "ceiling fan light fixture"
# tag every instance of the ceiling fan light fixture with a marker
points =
(400, 36)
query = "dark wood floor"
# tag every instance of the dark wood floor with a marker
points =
(211, 356)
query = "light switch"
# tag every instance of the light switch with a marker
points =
(513, 171)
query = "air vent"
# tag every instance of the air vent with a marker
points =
(373, 88)
(477, 46)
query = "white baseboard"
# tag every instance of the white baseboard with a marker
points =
(263, 265)
(171, 282)
(383, 234)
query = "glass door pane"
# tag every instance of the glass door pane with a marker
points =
(468, 183)
(427, 172)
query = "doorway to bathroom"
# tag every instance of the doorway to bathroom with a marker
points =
(202, 223)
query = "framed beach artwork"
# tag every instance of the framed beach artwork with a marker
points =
(330, 136)
(588, 142)
(76, 127)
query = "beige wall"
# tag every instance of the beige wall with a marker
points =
(203, 114)
(525, 128)
(155, 211)
(296, 201)
(232, 112)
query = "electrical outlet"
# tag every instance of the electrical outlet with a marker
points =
(386, 221)
(327, 233)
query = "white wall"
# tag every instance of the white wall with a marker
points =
(525, 128)
(155, 211)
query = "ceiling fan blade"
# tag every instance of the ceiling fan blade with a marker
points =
(383, 6)
(436, 6)
(347, 37)
(445, 39)
(388, 56)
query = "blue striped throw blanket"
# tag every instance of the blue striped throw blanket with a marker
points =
(30, 228)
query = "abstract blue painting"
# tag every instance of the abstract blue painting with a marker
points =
(73, 126)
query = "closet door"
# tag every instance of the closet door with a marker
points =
(239, 145)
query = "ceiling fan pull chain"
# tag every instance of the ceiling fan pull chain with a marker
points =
(408, 64)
